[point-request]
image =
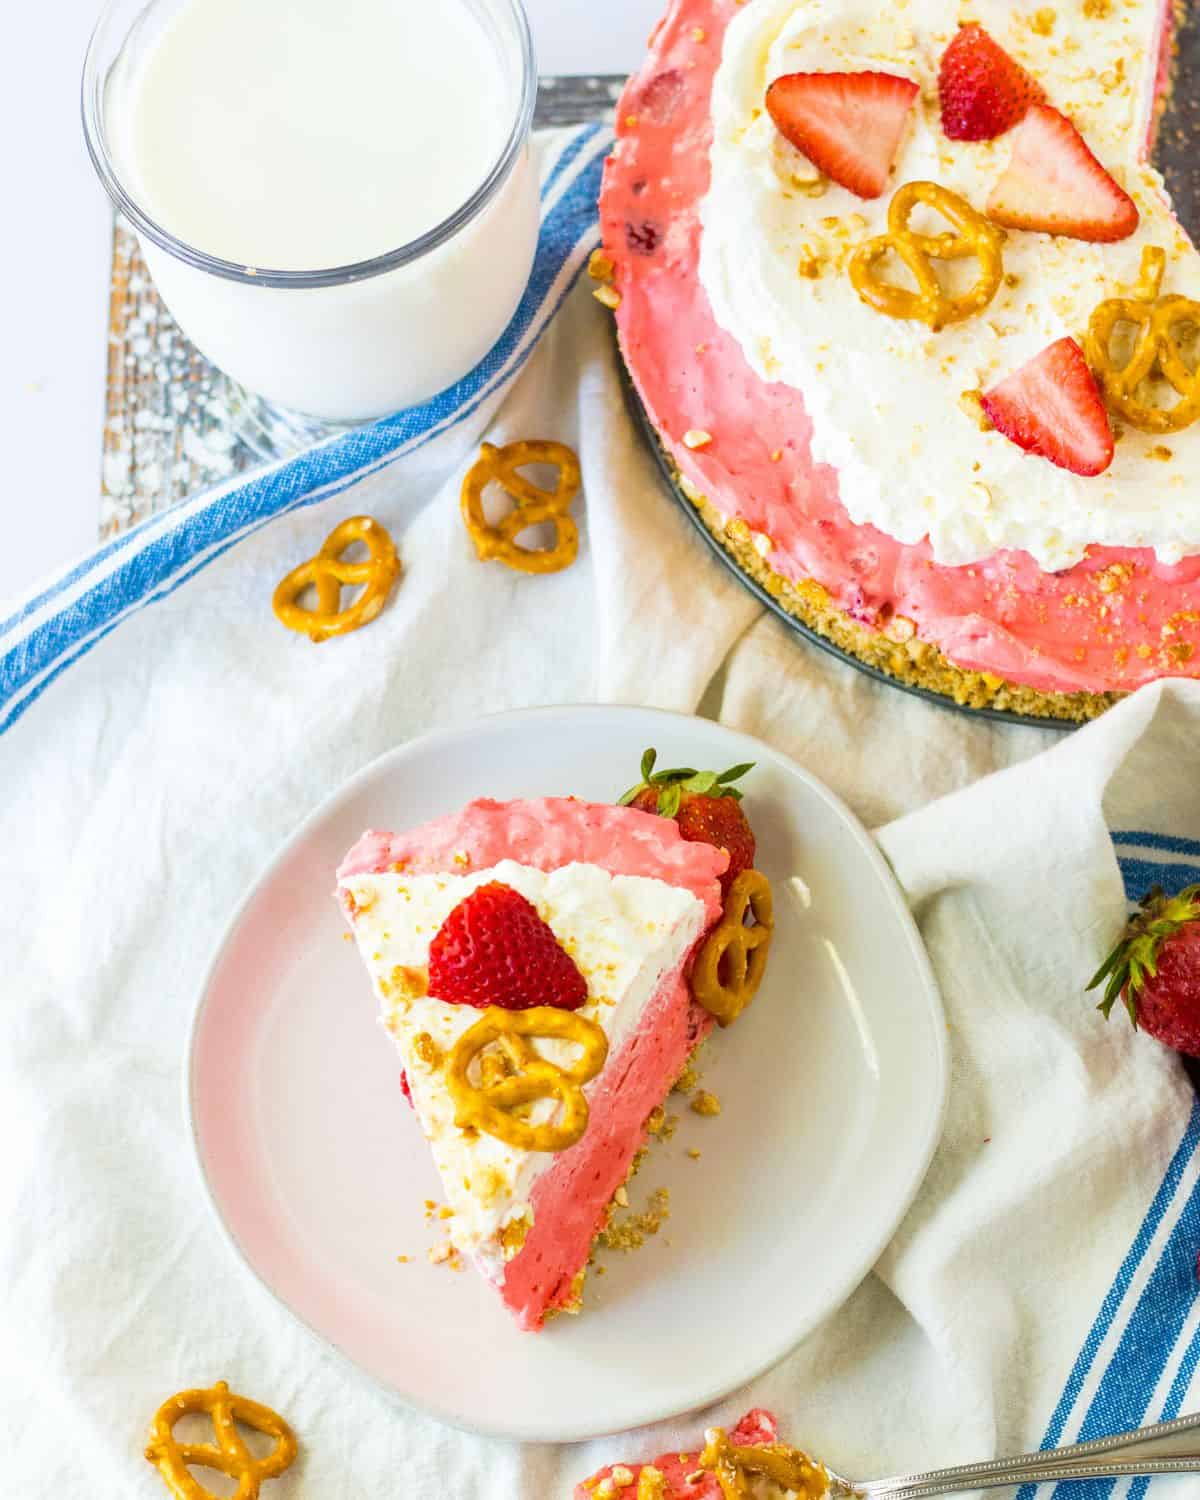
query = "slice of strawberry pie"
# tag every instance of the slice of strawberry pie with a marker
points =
(533, 961)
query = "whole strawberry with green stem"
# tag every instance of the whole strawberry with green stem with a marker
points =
(705, 804)
(1155, 969)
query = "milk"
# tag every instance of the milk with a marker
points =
(304, 135)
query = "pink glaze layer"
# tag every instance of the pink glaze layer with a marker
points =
(756, 1428)
(1115, 620)
(545, 834)
(569, 1201)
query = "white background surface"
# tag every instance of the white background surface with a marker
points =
(54, 264)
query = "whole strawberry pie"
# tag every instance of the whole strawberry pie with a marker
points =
(915, 325)
(546, 969)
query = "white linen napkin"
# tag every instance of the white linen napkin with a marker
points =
(162, 735)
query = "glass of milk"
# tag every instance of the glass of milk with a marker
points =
(334, 197)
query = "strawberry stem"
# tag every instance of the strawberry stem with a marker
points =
(1135, 958)
(673, 784)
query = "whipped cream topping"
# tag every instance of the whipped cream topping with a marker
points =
(891, 403)
(624, 933)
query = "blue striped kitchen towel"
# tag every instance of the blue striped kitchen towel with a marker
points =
(1075, 1142)
(64, 620)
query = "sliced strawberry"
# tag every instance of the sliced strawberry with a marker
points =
(1052, 407)
(849, 125)
(1055, 184)
(494, 949)
(982, 90)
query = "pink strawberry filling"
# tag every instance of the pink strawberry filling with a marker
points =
(570, 1199)
(755, 1430)
(1114, 621)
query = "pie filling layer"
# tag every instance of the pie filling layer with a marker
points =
(629, 923)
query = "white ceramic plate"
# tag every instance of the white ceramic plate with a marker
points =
(832, 1087)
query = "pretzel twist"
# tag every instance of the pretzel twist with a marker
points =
(532, 505)
(328, 575)
(931, 303)
(1156, 349)
(735, 1468)
(229, 1455)
(732, 961)
(524, 1075)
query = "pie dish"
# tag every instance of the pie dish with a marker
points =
(843, 456)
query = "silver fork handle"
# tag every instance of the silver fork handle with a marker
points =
(1165, 1448)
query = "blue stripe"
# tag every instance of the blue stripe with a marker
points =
(1140, 874)
(1174, 1402)
(1169, 843)
(156, 568)
(1153, 1331)
(1123, 1396)
(1108, 1309)
(65, 580)
(567, 157)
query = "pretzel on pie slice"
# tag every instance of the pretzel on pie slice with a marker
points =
(733, 958)
(521, 1075)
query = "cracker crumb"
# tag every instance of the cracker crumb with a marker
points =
(426, 1049)
(706, 1104)
(512, 1237)
(608, 295)
(1113, 578)
(694, 1152)
(444, 1254)
(809, 265)
(621, 1197)
(696, 437)
(1042, 21)
(687, 1080)
(972, 403)
(632, 1233)
(621, 1476)
(404, 1259)
(600, 267)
